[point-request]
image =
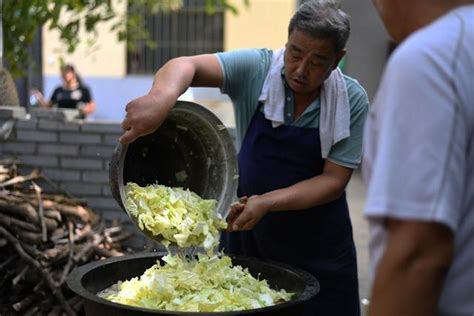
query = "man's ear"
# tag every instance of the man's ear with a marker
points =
(339, 56)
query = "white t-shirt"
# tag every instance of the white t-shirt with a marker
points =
(419, 146)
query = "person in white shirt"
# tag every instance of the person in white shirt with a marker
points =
(418, 162)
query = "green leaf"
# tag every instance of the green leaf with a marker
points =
(23, 18)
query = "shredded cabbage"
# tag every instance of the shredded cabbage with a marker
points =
(206, 284)
(176, 215)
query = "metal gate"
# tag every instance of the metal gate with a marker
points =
(187, 31)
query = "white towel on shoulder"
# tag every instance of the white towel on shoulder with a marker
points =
(335, 114)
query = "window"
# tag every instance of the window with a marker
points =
(188, 31)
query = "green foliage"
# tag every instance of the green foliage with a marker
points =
(23, 18)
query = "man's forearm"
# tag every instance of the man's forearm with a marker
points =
(315, 191)
(305, 194)
(412, 270)
(173, 78)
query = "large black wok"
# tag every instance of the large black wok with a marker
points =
(94, 277)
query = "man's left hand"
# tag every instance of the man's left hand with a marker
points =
(247, 215)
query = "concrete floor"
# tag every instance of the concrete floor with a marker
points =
(356, 199)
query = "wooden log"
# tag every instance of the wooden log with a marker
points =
(82, 233)
(55, 253)
(4, 264)
(53, 214)
(70, 262)
(24, 210)
(33, 310)
(44, 231)
(9, 221)
(28, 237)
(57, 234)
(77, 211)
(24, 303)
(35, 174)
(20, 275)
(107, 253)
(49, 281)
(121, 237)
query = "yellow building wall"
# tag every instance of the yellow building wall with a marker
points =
(106, 58)
(264, 23)
(261, 24)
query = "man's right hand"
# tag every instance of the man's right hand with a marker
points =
(147, 113)
(144, 115)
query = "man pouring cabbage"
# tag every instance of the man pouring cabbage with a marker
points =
(299, 124)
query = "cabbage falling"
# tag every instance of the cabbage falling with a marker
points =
(176, 215)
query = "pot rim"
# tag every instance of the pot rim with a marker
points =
(74, 282)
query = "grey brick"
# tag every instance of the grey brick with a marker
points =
(58, 149)
(36, 136)
(102, 127)
(111, 139)
(25, 170)
(79, 138)
(101, 202)
(82, 189)
(106, 190)
(55, 113)
(46, 187)
(106, 165)
(61, 175)
(56, 125)
(95, 176)
(7, 112)
(17, 147)
(81, 163)
(116, 214)
(97, 151)
(27, 124)
(8, 129)
(39, 161)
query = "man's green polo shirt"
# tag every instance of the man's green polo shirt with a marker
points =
(244, 73)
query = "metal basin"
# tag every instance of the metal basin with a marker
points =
(94, 277)
(192, 149)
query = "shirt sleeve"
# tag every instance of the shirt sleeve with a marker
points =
(54, 96)
(86, 94)
(244, 72)
(417, 157)
(240, 68)
(348, 152)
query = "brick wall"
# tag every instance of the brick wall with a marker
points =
(73, 154)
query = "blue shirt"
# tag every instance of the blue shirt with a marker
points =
(245, 71)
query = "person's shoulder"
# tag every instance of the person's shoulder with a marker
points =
(246, 53)
(356, 93)
(58, 89)
(84, 87)
(241, 65)
(435, 43)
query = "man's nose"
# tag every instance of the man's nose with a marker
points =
(302, 68)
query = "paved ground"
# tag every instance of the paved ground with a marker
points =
(356, 199)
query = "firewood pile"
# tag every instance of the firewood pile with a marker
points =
(42, 238)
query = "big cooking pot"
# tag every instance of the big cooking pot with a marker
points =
(191, 149)
(89, 279)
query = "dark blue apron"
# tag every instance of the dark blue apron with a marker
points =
(318, 240)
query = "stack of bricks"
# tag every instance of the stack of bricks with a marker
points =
(74, 154)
